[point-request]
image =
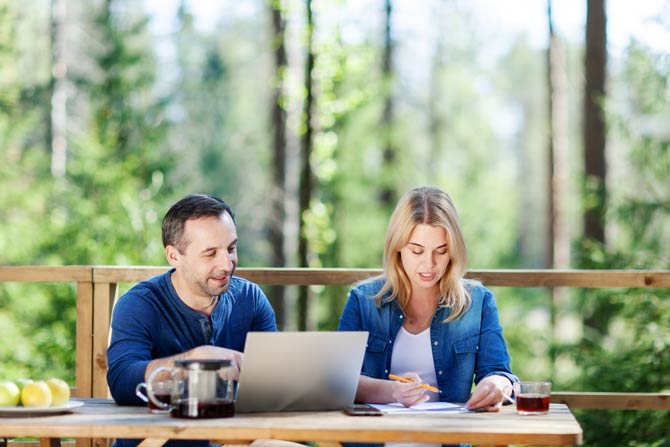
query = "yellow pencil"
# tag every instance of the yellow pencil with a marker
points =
(405, 380)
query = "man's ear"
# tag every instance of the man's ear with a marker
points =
(172, 255)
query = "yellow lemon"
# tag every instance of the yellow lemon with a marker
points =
(9, 394)
(22, 382)
(60, 391)
(36, 394)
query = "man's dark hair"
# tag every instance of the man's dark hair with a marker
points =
(193, 206)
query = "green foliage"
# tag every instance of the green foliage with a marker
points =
(627, 345)
(105, 211)
(344, 164)
(644, 205)
(220, 107)
(525, 319)
(149, 125)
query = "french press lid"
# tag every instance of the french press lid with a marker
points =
(204, 364)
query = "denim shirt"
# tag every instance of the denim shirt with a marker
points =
(471, 346)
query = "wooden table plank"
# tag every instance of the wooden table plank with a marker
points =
(100, 418)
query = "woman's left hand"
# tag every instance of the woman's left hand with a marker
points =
(488, 394)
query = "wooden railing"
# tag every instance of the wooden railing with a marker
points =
(97, 288)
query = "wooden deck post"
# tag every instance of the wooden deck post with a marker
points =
(104, 295)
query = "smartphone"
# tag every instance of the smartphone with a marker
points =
(362, 410)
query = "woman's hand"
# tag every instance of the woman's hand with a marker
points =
(409, 393)
(489, 394)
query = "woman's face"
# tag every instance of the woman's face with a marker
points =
(425, 257)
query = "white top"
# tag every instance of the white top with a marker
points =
(412, 353)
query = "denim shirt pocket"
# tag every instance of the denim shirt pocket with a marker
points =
(466, 350)
(374, 363)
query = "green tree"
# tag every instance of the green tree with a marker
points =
(24, 189)
(306, 179)
(631, 350)
(278, 112)
(595, 168)
(220, 135)
(106, 209)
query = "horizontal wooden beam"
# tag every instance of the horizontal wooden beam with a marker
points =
(612, 401)
(263, 276)
(306, 276)
(348, 276)
(27, 273)
(574, 278)
(125, 274)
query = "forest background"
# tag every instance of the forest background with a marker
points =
(311, 118)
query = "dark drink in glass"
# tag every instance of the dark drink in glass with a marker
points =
(532, 397)
(528, 404)
(195, 409)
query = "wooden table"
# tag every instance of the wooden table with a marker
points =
(101, 418)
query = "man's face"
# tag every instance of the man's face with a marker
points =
(210, 257)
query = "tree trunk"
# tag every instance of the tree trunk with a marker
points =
(596, 319)
(594, 121)
(558, 246)
(558, 238)
(436, 119)
(387, 194)
(306, 185)
(57, 112)
(278, 194)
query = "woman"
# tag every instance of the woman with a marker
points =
(426, 322)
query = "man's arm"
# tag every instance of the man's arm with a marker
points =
(264, 316)
(130, 348)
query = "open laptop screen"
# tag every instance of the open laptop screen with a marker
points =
(300, 371)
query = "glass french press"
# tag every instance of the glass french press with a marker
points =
(200, 388)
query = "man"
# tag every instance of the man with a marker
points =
(196, 310)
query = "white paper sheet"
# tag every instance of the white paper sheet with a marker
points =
(427, 407)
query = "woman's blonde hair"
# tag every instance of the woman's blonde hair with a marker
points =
(428, 205)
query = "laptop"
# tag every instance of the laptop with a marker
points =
(300, 371)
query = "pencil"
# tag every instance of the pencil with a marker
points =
(510, 399)
(423, 385)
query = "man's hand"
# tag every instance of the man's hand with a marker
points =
(205, 352)
(217, 353)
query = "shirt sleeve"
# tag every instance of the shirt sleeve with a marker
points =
(493, 358)
(130, 348)
(264, 317)
(351, 320)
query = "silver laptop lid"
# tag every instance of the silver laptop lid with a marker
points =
(300, 371)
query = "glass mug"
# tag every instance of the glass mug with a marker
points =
(532, 398)
(200, 388)
(157, 394)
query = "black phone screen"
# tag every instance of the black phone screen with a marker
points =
(362, 410)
